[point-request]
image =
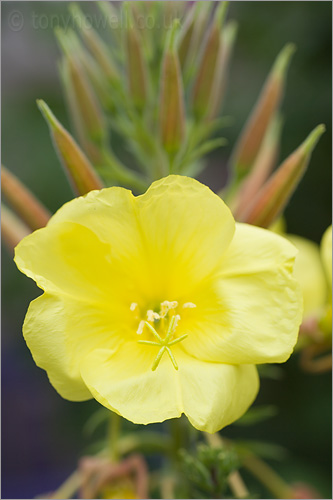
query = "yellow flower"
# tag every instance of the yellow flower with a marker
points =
(160, 304)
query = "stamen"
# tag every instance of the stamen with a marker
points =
(141, 327)
(152, 315)
(189, 305)
(133, 306)
(166, 306)
(177, 320)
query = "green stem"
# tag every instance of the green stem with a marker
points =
(118, 172)
(268, 477)
(113, 436)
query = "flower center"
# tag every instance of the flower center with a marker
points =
(162, 328)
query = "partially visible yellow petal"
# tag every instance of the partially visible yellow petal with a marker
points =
(309, 273)
(326, 253)
(256, 312)
(211, 395)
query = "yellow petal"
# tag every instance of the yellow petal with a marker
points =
(309, 273)
(256, 312)
(215, 395)
(69, 258)
(187, 228)
(158, 232)
(61, 331)
(46, 333)
(211, 395)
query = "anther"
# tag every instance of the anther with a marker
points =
(189, 305)
(166, 306)
(133, 306)
(152, 315)
(141, 327)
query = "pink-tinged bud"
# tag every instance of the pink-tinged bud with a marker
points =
(88, 106)
(204, 83)
(136, 65)
(172, 107)
(201, 15)
(89, 147)
(277, 191)
(303, 490)
(25, 204)
(13, 230)
(262, 167)
(268, 103)
(94, 43)
(80, 171)
(220, 78)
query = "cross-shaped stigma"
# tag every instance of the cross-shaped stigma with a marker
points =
(165, 343)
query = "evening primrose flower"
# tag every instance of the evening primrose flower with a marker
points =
(160, 304)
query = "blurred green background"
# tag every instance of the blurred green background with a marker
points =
(41, 433)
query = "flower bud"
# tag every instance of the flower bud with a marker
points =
(80, 171)
(13, 230)
(172, 107)
(276, 192)
(220, 78)
(269, 100)
(262, 167)
(94, 43)
(201, 14)
(136, 64)
(204, 83)
(89, 118)
(89, 108)
(32, 211)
